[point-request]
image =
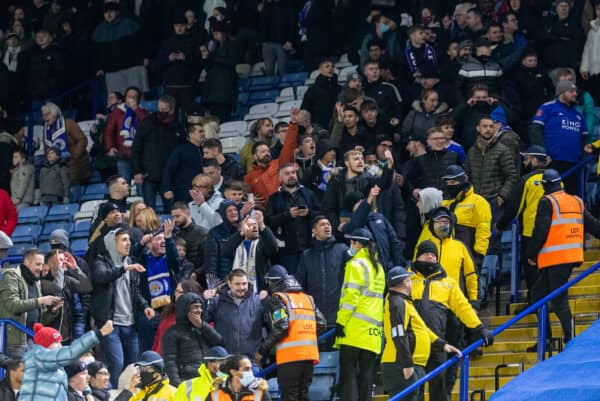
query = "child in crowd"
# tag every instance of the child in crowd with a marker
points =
(186, 267)
(22, 180)
(54, 182)
(446, 124)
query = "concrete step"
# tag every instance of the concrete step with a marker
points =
(455, 394)
(531, 320)
(578, 305)
(479, 371)
(497, 358)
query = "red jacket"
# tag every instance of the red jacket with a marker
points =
(264, 181)
(112, 132)
(8, 214)
(165, 323)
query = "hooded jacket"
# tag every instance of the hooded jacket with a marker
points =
(241, 324)
(428, 169)
(281, 326)
(184, 344)
(418, 121)
(320, 99)
(108, 268)
(590, 59)
(321, 273)
(215, 261)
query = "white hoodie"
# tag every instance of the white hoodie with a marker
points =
(590, 60)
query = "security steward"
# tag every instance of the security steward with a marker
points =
(200, 387)
(556, 246)
(408, 340)
(154, 382)
(434, 294)
(295, 324)
(472, 211)
(523, 203)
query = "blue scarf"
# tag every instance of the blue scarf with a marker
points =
(128, 126)
(56, 136)
(159, 281)
(411, 60)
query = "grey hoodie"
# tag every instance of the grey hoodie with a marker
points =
(123, 315)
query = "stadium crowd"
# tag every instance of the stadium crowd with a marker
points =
(374, 210)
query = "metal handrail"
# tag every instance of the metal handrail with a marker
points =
(18, 326)
(272, 366)
(540, 305)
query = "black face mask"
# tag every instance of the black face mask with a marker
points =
(453, 190)
(146, 379)
(425, 268)
(483, 58)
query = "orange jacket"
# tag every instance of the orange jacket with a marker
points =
(564, 243)
(264, 181)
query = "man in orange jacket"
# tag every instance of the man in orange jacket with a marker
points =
(263, 179)
(556, 246)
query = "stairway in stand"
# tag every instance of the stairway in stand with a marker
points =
(510, 346)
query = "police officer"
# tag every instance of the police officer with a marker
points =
(434, 294)
(472, 211)
(408, 340)
(523, 203)
(295, 323)
(359, 321)
(556, 246)
(559, 127)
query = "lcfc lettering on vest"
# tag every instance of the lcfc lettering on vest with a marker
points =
(374, 331)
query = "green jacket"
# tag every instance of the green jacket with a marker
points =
(491, 169)
(15, 303)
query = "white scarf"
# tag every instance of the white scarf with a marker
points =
(246, 261)
(11, 58)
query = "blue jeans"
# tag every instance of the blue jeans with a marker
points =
(147, 329)
(120, 348)
(150, 189)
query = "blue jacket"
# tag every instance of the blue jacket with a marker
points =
(240, 324)
(44, 378)
(321, 274)
(389, 248)
(183, 165)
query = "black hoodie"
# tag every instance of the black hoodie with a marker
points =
(184, 344)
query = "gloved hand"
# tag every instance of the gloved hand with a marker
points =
(339, 331)
(487, 337)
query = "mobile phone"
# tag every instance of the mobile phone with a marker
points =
(250, 197)
(302, 207)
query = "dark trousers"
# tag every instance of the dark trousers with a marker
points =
(149, 191)
(437, 385)
(357, 370)
(294, 379)
(550, 279)
(455, 335)
(394, 381)
(147, 330)
(221, 110)
(530, 273)
(184, 96)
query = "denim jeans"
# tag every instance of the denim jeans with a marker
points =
(120, 348)
(147, 329)
(274, 52)
(149, 190)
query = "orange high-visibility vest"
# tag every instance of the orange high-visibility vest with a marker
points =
(564, 243)
(220, 395)
(300, 344)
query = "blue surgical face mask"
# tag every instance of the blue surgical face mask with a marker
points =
(221, 374)
(247, 378)
(351, 251)
(383, 28)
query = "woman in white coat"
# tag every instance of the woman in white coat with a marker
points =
(590, 60)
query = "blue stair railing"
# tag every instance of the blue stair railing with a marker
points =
(3, 326)
(539, 306)
(516, 238)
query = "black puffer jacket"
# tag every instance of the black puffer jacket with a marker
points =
(320, 99)
(429, 169)
(184, 345)
(45, 72)
(153, 144)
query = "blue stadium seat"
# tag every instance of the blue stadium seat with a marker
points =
(79, 246)
(96, 177)
(243, 98)
(44, 247)
(94, 192)
(294, 66)
(16, 250)
(150, 105)
(76, 193)
(159, 208)
(243, 84)
(274, 389)
(325, 377)
(264, 83)
(82, 226)
(49, 227)
(62, 212)
(34, 214)
(293, 79)
(268, 96)
(26, 233)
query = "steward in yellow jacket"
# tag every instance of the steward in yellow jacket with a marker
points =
(155, 386)
(473, 212)
(454, 256)
(434, 294)
(200, 387)
(408, 340)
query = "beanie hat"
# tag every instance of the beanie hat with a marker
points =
(276, 272)
(427, 246)
(323, 146)
(465, 43)
(105, 209)
(59, 235)
(45, 336)
(75, 368)
(563, 86)
(498, 115)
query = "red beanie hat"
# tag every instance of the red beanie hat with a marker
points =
(45, 336)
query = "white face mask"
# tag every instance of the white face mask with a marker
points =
(247, 378)
(373, 170)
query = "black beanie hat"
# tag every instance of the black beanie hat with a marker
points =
(425, 247)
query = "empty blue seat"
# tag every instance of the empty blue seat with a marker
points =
(294, 66)
(96, 177)
(34, 214)
(293, 79)
(243, 84)
(150, 105)
(82, 226)
(76, 193)
(325, 376)
(16, 250)
(49, 227)
(44, 247)
(79, 246)
(264, 83)
(94, 192)
(243, 98)
(268, 96)
(26, 233)
(62, 212)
